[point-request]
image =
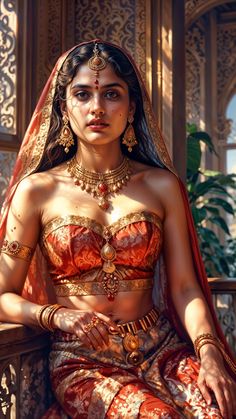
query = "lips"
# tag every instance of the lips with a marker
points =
(97, 122)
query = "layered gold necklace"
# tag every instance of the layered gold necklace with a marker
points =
(100, 185)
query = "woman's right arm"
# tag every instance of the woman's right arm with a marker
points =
(23, 226)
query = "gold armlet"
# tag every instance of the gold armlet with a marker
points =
(206, 338)
(17, 250)
(45, 315)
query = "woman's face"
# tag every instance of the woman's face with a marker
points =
(98, 113)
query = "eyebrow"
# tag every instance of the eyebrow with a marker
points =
(87, 86)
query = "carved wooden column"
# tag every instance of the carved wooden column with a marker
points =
(168, 76)
(179, 118)
(54, 33)
(211, 86)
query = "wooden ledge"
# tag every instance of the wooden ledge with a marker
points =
(17, 338)
(222, 285)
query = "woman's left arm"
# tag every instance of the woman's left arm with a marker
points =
(189, 300)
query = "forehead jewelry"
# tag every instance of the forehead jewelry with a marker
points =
(96, 63)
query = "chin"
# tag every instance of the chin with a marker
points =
(100, 141)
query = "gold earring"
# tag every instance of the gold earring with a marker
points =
(129, 138)
(66, 137)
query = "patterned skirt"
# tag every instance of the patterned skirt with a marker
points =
(102, 384)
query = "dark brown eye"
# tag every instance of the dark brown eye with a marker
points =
(112, 94)
(82, 95)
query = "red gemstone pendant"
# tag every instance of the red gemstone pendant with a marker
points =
(103, 188)
(104, 205)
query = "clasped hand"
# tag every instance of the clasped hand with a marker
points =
(91, 327)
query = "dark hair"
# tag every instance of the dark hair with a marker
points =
(54, 154)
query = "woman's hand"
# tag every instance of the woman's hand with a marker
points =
(91, 327)
(214, 377)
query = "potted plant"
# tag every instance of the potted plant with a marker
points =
(210, 201)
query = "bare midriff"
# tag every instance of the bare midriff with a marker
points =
(126, 306)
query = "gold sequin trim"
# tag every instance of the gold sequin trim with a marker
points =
(104, 231)
(66, 288)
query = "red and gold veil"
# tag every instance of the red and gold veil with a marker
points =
(28, 160)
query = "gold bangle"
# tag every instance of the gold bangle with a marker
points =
(45, 315)
(56, 307)
(206, 342)
(39, 315)
(206, 338)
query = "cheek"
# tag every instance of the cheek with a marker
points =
(76, 112)
(75, 107)
(122, 119)
(120, 115)
(76, 117)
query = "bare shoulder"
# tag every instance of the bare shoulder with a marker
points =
(161, 180)
(31, 186)
(161, 187)
(40, 183)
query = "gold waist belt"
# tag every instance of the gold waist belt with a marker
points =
(66, 287)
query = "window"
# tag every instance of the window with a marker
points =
(8, 75)
(8, 91)
(230, 150)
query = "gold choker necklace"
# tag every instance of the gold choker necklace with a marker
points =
(100, 185)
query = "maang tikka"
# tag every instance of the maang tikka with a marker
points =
(96, 63)
(66, 137)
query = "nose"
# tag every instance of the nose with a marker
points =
(97, 108)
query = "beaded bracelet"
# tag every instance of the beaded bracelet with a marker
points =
(206, 338)
(45, 315)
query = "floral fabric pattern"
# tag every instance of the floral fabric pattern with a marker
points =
(72, 246)
(100, 384)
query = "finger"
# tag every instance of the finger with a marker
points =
(92, 340)
(220, 398)
(97, 337)
(205, 392)
(233, 396)
(97, 327)
(87, 332)
(229, 400)
(83, 338)
(86, 341)
(231, 388)
(107, 320)
(103, 332)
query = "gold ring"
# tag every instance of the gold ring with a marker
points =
(95, 320)
(88, 327)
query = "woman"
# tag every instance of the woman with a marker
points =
(95, 184)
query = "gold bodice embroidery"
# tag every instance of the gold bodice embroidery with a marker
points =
(82, 248)
(99, 228)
